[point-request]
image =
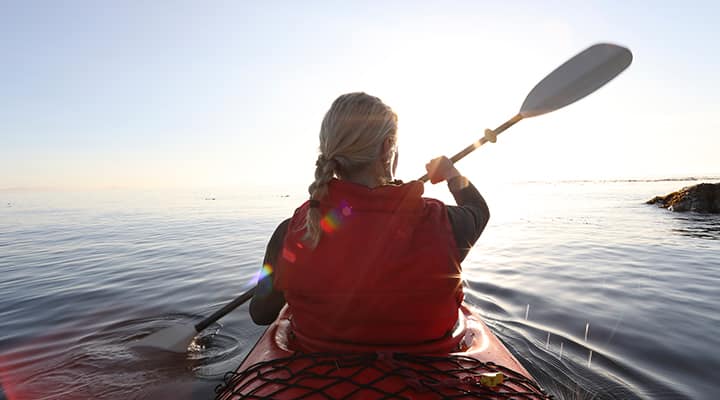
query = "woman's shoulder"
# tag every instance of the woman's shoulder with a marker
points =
(434, 203)
(281, 230)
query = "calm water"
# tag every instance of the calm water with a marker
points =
(598, 294)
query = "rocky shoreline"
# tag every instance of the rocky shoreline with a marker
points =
(702, 198)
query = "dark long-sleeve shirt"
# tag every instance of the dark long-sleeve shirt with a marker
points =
(468, 218)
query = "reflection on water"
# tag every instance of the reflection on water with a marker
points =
(104, 363)
(601, 296)
(621, 304)
(701, 226)
(572, 366)
(568, 366)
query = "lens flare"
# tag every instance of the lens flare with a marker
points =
(330, 222)
(333, 220)
(288, 255)
(266, 270)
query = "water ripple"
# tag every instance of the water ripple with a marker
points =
(86, 275)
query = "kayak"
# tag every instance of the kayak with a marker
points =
(478, 365)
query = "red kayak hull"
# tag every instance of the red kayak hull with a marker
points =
(471, 338)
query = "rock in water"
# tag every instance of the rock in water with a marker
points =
(704, 198)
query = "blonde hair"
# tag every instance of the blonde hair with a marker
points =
(351, 138)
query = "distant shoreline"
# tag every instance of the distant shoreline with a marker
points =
(631, 180)
(695, 178)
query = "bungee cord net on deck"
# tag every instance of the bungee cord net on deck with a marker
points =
(376, 376)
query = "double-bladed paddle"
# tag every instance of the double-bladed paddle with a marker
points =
(576, 78)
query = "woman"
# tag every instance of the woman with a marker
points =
(367, 260)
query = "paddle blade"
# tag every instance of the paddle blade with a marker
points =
(175, 338)
(576, 78)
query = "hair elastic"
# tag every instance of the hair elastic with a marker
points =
(314, 203)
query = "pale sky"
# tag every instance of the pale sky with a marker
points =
(231, 94)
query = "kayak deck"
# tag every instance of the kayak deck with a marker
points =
(273, 370)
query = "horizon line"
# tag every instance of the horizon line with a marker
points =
(682, 178)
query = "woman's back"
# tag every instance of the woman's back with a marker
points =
(383, 250)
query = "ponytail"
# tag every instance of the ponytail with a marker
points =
(324, 172)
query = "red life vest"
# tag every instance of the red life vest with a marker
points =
(385, 272)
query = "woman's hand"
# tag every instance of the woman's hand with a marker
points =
(441, 169)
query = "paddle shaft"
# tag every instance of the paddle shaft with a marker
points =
(240, 300)
(500, 129)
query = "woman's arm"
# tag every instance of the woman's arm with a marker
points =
(267, 301)
(469, 218)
